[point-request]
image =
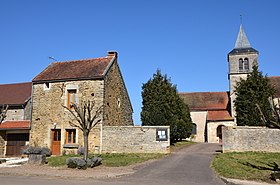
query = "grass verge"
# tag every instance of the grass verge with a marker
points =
(111, 160)
(248, 165)
(116, 160)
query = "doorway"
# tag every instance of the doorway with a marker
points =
(15, 143)
(219, 133)
(56, 142)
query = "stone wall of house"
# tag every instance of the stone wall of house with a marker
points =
(199, 118)
(241, 139)
(27, 110)
(48, 112)
(19, 112)
(2, 143)
(15, 114)
(134, 139)
(117, 105)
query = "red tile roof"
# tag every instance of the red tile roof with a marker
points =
(216, 103)
(275, 81)
(78, 69)
(206, 100)
(15, 94)
(12, 125)
(219, 115)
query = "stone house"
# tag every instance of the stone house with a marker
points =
(210, 111)
(14, 130)
(65, 83)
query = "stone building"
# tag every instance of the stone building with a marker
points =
(65, 83)
(14, 130)
(210, 111)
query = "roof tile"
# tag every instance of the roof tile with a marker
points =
(15, 94)
(78, 69)
(206, 100)
(220, 115)
(11, 125)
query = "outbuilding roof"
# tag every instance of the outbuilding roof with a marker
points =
(15, 94)
(78, 69)
(15, 125)
(219, 115)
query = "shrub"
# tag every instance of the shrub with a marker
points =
(75, 162)
(37, 150)
(81, 150)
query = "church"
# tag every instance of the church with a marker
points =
(210, 111)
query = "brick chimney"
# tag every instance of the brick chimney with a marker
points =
(112, 54)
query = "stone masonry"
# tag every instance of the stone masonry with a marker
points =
(2, 143)
(48, 111)
(130, 139)
(242, 139)
(117, 105)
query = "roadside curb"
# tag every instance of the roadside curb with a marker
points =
(242, 182)
(105, 176)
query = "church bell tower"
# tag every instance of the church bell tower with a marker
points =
(240, 61)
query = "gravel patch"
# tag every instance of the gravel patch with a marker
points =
(64, 172)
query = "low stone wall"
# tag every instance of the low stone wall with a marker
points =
(242, 139)
(135, 139)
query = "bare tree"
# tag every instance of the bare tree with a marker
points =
(85, 116)
(3, 112)
(274, 120)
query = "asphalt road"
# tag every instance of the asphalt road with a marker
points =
(190, 166)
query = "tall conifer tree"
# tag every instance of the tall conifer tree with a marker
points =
(250, 92)
(163, 106)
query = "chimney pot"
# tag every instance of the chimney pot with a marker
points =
(112, 54)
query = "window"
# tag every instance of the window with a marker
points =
(240, 64)
(194, 132)
(72, 98)
(246, 64)
(161, 134)
(70, 136)
(243, 64)
(56, 136)
(47, 86)
(119, 103)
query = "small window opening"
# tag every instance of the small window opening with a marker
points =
(119, 103)
(70, 136)
(72, 98)
(47, 86)
(194, 127)
(240, 64)
(246, 64)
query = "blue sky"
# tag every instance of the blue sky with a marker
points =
(187, 40)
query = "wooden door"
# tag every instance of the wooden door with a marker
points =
(15, 143)
(56, 141)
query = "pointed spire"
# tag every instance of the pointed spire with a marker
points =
(242, 40)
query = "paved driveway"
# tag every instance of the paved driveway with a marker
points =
(190, 166)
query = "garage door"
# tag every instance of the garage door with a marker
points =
(15, 142)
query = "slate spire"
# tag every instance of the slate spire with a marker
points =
(242, 40)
